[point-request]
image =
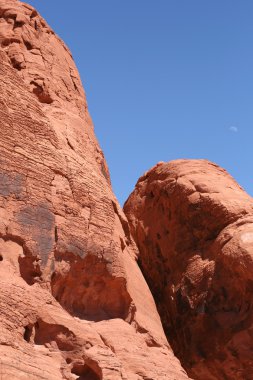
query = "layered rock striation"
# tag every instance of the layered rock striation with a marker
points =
(74, 304)
(193, 225)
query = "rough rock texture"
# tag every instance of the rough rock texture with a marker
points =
(194, 227)
(73, 302)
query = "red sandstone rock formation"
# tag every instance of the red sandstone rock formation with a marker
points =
(74, 304)
(193, 225)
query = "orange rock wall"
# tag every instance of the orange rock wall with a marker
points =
(73, 300)
(193, 225)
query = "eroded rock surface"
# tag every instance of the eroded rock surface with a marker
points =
(74, 304)
(193, 225)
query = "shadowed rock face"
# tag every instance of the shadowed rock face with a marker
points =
(73, 301)
(193, 225)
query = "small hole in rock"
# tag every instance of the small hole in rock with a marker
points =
(34, 13)
(1, 257)
(6, 42)
(41, 94)
(16, 65)
(28, 333)
(28, 45)
(56, 234)
(18, 24)
(122, 243)
(84, 372)
(29, 269)
(70, 145)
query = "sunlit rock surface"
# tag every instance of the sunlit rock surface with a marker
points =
(74, 304)
(193, 225)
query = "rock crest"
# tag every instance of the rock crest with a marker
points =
(73, 300)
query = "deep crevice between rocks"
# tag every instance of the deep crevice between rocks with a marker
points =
(124, 223)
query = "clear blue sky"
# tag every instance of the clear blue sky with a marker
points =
(164, 79)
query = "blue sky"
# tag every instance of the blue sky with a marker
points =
(164, 79)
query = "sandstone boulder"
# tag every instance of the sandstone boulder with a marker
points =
(193, 225)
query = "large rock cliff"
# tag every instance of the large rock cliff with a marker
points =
(193, 225)
(74, 304)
